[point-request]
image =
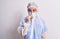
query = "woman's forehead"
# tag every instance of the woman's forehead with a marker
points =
(32, 7)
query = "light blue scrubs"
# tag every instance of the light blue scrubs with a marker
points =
(38, 29)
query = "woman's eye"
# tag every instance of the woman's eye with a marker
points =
(34, 10)
(29, 10)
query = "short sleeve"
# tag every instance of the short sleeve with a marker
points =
(21, 26)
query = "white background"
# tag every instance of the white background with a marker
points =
(13, 11)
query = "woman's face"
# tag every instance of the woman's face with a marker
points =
(32, 9)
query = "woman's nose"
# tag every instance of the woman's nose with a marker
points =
(31, 11)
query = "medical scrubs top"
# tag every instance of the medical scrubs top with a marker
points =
(39, 28)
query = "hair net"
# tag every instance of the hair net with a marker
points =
(32, 4)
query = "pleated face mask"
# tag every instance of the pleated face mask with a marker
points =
(33, 15)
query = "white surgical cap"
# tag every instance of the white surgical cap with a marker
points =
(32, 4)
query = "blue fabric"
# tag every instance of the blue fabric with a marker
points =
(38, 29)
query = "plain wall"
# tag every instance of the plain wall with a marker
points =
(12, 13)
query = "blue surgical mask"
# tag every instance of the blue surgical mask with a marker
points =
(32, 14)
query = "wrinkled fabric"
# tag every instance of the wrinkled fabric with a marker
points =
(39, 28)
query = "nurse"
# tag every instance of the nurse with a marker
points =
(32, 26)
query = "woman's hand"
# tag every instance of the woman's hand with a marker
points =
(28, 19)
